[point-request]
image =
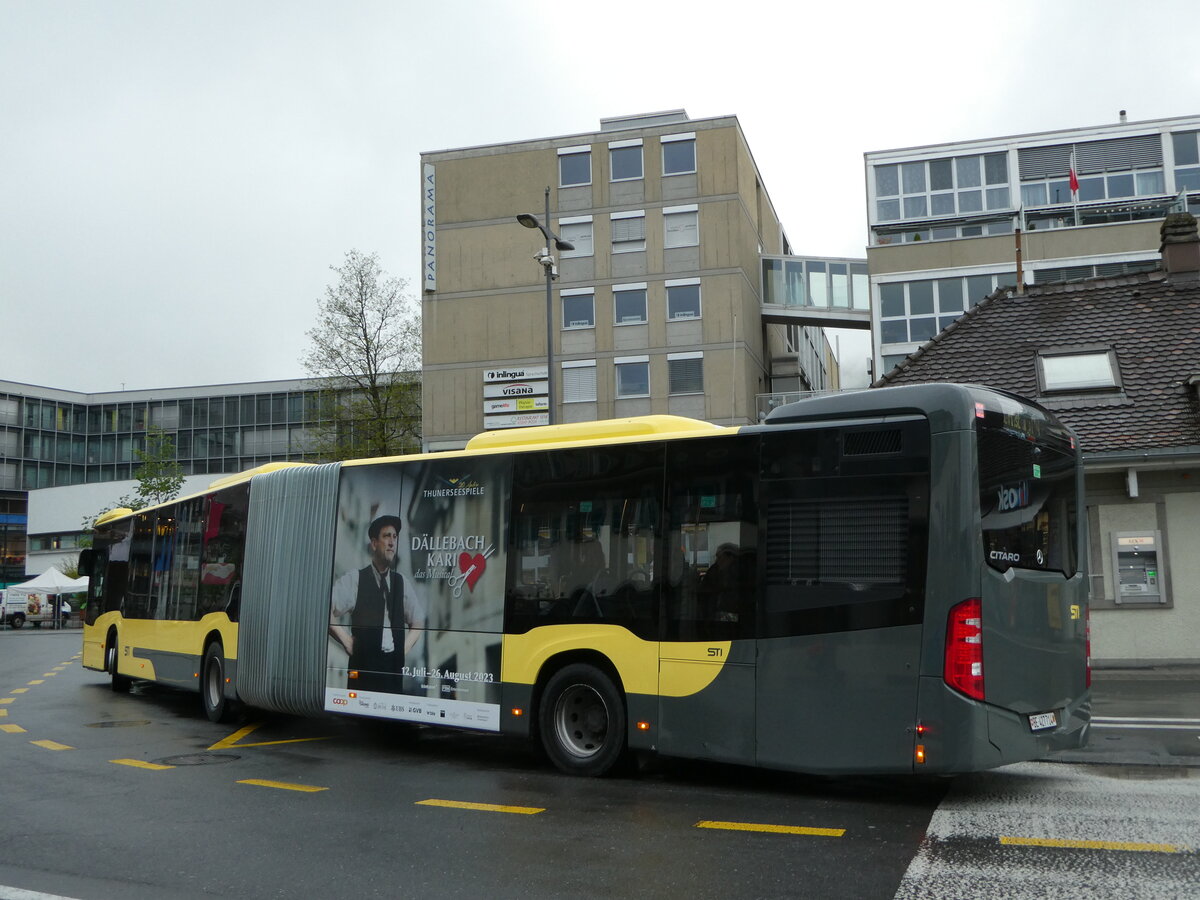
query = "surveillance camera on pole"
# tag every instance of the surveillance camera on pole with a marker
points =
(545, 259)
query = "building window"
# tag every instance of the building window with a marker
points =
(1085, 369)
(629, 304)
(918, 310)
(628, 231)
(578, 231)
(625, 160)
(574, 166)
(685, 373)
(681, 226)
(579, 381)
(633, 376)
(579, 308)
(678, 153)
(683, 299)
(941, 187)
(1187, 160)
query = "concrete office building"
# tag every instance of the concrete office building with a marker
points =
(942, 218)
(661, 307)
(80, 447)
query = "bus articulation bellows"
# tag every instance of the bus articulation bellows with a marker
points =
(885, 581)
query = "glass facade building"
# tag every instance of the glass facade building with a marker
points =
(55, 438)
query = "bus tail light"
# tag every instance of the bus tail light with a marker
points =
(963, 669)
(1087, 644)
(920, 756)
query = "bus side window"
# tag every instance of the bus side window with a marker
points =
(584, 533)
(711, 582)
(224, 543)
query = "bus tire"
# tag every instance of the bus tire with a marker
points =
(119, 683)
(581, 720)
(212, 684)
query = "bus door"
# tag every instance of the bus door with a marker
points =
(707, 652)
(845, 532)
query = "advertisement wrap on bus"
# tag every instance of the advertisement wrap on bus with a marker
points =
(420, 548)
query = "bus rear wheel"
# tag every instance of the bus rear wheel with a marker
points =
(582, 721)
(212, 684)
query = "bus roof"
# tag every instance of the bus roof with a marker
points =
(224, 481)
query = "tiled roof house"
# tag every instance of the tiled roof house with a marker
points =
(1117, 359)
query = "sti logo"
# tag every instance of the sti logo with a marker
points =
(1013, 498)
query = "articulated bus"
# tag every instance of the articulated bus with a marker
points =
(885, 581)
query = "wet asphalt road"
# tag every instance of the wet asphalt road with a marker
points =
(139, 796)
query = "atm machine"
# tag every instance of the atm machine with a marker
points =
(1137, 557)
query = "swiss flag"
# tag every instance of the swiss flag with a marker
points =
(1073, 179)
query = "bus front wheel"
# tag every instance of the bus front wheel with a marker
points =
(120, 683)
(582, 721)
(212, 684)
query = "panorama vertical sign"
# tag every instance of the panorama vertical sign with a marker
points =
(429, 228)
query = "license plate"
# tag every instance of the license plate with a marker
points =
(1042, 721)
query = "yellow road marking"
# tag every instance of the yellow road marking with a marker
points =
(1090, 845)
(773, 829)
(51, 745)
(37, 681)
(140, 764)
(6, 699)
(283, 785)
(19, 691)
(12, 729)
(3, 713)
(49, 674)
(233, 739)
(485, 807)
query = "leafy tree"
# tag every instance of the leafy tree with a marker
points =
(159, 476)
(365, 361)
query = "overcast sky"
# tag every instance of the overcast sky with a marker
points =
(177, 177)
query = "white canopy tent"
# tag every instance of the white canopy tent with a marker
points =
(31, 599)
(52, 581)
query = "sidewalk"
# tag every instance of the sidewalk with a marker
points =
(1147, 716)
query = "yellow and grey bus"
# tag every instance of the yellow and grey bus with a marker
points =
(885, 581)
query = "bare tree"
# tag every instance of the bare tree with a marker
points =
(365, 360)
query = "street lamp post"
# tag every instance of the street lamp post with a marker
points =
(546, 260)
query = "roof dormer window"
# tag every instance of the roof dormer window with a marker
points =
(1083, 369)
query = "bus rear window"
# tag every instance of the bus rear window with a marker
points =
(1027, 499)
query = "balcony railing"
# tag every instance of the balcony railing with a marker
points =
(765, 403)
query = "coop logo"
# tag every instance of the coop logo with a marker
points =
(340, 701)
(1013, 497)
(1001, 556)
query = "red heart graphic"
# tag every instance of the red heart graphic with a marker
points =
(472, 567)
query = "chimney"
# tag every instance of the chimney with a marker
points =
(1180, 247)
